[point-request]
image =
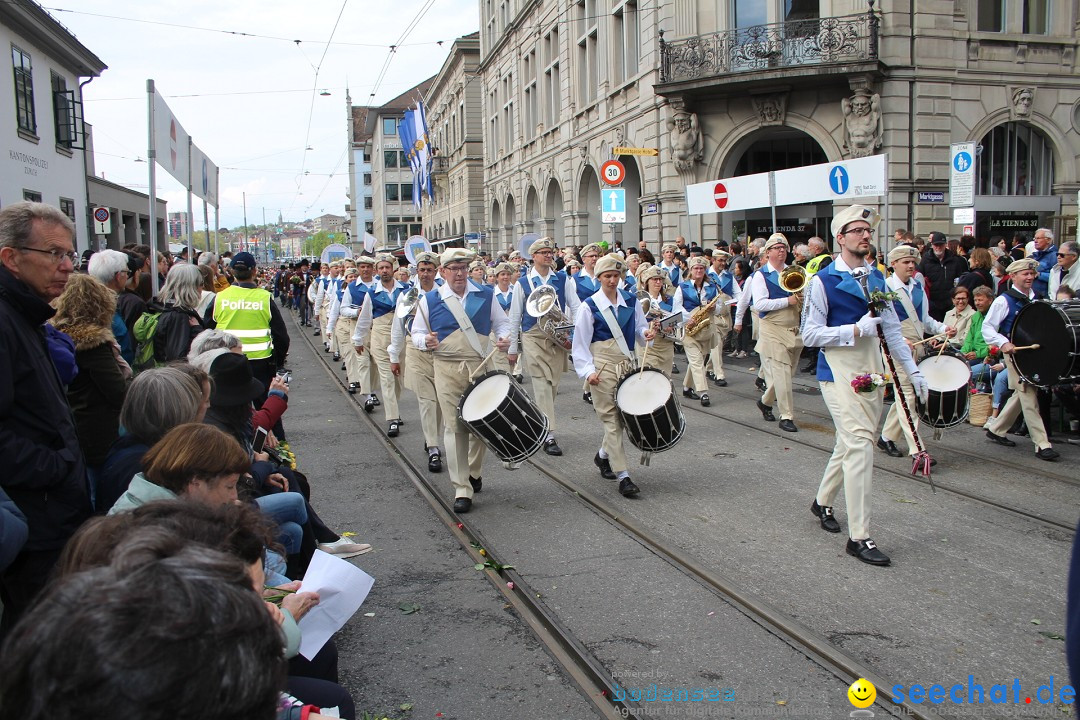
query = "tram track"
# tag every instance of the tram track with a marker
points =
(594, 681)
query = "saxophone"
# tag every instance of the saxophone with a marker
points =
(701, 318)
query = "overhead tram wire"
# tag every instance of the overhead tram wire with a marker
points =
(400, 43)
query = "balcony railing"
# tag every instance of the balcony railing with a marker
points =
(440, 165)
(850, 38)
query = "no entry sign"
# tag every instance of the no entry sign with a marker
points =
(720, 195)
(734, 193)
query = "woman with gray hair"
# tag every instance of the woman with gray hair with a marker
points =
(180, 321)
(212, 340)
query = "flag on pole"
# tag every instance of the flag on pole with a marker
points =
(423, 148)
(407, 133)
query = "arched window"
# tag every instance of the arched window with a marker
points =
(1015, 159)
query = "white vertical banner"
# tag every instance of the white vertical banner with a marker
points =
(169, 140)
(204, 176)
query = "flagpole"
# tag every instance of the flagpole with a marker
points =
(190, 215)
(151, 162)
(217, 209)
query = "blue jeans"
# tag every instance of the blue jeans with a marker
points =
(982, 374)
(288, 511)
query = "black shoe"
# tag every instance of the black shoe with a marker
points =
(1000, 439)
(705, 402)
(326, 347)
(825, 516)
(867, 551)
(462, 505)
(720, 382)
(353, 387)
(605, 467)
(788, 426)
(343, 366)
(710, 375)
(1047, 453)
(674, 369)
(337, 357)
(766, 411)
(587, 397)
(376, 399)
(889, 447)
(317, 332)
(552, 448)
(627, 488)
(688, 393)
(369, 405)
(760, 382)
(395, 427)
(434, 460)
(477, 483)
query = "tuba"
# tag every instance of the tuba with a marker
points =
(406, 307)
(794, 278)
(543, 304)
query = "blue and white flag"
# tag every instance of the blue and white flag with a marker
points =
(423, 148)
(406, 131)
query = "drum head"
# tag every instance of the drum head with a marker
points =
(485, 396)
(1043, 324)
(945, 372)
(642, 393)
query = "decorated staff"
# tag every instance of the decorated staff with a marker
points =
(453, 322)
(836, 318)
(608, 324)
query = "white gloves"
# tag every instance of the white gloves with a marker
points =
(868, 325)
(918, 384)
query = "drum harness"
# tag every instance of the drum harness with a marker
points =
(921, 461)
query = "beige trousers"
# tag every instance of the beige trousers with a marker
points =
(606, 354)
(779, 347)
(391, 385)
(896, 421)
(1022, 400)
(342, 338)
(420, 378)
(697, 349)
(661, 355)
(545, 362)
(454, 361)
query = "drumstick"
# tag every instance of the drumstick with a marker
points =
(1027, 347)
(483, 362)
(929, 339)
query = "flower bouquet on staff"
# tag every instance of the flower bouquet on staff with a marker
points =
(869, 382)
(879, 300)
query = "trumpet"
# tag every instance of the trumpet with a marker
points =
(793, 279)
(543, 304)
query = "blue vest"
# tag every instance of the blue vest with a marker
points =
(1010, 317)
(384, 302)
(630, 280)
(356, 293)
(690, 298)
(504, 300)
(674, 273)
(847, 304)
(477, 307)
(557, 281)
(772, 282)
(624, 316)
(666, 304)
(917, 299)
(586, 286)
(724, 280)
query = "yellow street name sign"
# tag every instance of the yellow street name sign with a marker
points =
(649, 152)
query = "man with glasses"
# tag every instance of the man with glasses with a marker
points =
(45, 474)
(1067, 271)
(545, 359)
(1046, 255)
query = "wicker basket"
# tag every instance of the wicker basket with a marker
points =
(980, 405)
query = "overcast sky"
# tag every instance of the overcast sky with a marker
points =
(247, 101)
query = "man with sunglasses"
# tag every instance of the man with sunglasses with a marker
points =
(1067, 271)
(45, 474)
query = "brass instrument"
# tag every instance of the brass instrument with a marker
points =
(701, 318)
(543, 304)
(794, 278)
(655, 314)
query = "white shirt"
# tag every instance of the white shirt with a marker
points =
(745, 296)
(583, 331)
(1069, 279)
(930, 324)
(759, 291)
(397, 330)
(517, 304)
(995, 316)
(677, 302)
(342, 307)
(500, 324)
(817, 333)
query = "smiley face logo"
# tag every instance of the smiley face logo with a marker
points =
(862, 693)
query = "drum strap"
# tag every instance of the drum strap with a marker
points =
(909, 308)
(453, 304)
(1019, 296)
(616, 332)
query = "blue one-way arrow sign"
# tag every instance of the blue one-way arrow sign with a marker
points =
(838, 180)
(613, 205)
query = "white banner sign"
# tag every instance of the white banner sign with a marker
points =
(962, 174)
(204, 176)
(736, 193)
(857, 178)
(170, 141)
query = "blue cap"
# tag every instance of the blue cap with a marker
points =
(243, 261)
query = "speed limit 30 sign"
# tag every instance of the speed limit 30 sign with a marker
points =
(613, 172)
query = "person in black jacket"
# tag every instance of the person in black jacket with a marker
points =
(179, 322)
(44, 472)
(942, 268)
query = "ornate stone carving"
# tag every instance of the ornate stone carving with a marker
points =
(1022, 99)
(771, 109)
(687, 140)
(863, 129)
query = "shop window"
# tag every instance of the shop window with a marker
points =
(1015, 159)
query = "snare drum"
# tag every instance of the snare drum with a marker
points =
(1055, 328)
(947, 374)
(498, 411)
(649, 410)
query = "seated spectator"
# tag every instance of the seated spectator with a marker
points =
(157, 401)
(960, 315)
(179, 323)
(85, 313)
(985, 372)
(156, 639)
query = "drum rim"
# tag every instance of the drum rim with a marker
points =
(1061, 368)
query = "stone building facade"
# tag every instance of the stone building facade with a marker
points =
(743, 86)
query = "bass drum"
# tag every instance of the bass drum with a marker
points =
(1055, 328)
(498, 411)
(947, 375)
(649, 411)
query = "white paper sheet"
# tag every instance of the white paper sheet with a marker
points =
(342, 589)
